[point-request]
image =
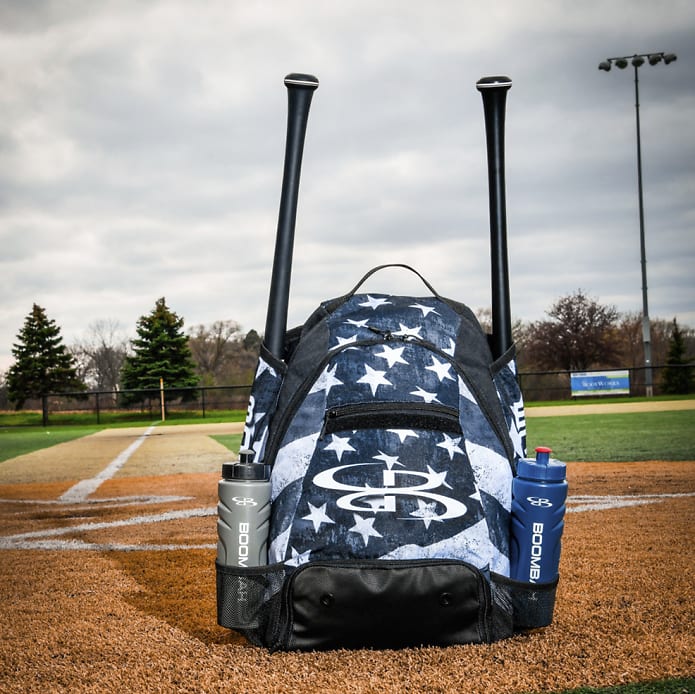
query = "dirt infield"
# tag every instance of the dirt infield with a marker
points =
(107, 583)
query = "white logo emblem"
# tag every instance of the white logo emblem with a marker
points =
(244, 501)
(539, 502)
(383, 499)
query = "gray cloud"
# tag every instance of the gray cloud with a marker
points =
(141, 154)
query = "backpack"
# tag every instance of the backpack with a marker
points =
(393, 436)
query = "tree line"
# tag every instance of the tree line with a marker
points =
(579, 334)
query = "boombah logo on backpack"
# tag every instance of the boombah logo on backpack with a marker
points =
(393, 438)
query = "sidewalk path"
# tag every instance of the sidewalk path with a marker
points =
(610, 408)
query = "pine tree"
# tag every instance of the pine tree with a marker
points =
(160, 351)
(678, 376)
(42, 363)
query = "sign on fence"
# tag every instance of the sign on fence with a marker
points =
(600, 383)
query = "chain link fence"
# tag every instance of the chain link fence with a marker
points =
(214, 401)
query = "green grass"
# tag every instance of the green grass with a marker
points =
(114, 419)
(676, 686)
(635, 436)
(616, 437)
(231, 441)
(18, 441)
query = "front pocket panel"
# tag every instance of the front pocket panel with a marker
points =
(386, 605)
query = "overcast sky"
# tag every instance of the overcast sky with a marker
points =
(141, 146)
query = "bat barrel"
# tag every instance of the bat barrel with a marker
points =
(494, 93)
(300, 89)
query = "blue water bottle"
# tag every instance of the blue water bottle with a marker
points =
(539, 492)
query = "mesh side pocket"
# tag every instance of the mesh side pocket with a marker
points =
(246, 598)
(502, 609)
(532, 603)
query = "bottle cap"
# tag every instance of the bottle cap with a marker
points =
(245, 469)
(543, 468)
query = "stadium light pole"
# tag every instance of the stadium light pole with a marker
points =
(637, 61)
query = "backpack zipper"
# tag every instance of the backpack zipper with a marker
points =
(391, 415)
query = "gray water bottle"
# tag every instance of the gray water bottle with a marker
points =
(243, 512)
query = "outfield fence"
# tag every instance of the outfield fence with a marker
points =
(105, 406)
(556, 385)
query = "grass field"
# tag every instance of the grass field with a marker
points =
(616, 437)
(668, 435)
(677, 686)
(136, 611)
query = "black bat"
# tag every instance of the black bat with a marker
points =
(494, 93)
(300, 89)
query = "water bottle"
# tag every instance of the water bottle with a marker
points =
(539, 492)
(243, 512)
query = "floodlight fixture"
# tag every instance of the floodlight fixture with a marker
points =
(637, 61)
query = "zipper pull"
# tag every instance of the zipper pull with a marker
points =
(386, 334)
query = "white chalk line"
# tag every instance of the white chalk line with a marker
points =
(85, 488)
(110, 502)
(42, 539)
(33, 539)
(603, 503)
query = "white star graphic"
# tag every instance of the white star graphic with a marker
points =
(374, 378)
(357, 323)
(426, 310)
(450, 445)
(405, 331)
(393, 355)
(341, 341)
(427, 397)
(403, 434)
(439, 478)
(318, 515)
(364, 527)
(339, 445)
(326, 381)
(426, 512)
(441, 368)
(297, 558)
(390, 460)
(374, 302)
(450, 349)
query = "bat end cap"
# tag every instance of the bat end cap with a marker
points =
(298, 79)
(494, 82)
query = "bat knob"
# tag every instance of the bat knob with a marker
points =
(494, 82)
(296, 79)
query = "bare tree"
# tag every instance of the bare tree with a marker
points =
(211, 347)
(100, 354)
(581, 334)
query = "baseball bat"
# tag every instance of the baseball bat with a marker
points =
(494, 93)
(300, 89)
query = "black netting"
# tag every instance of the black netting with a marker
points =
(532, 603)
(246, 598)
(502, 610)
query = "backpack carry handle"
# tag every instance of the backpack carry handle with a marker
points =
(376, 269)
(494, 93)
(300, 89)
